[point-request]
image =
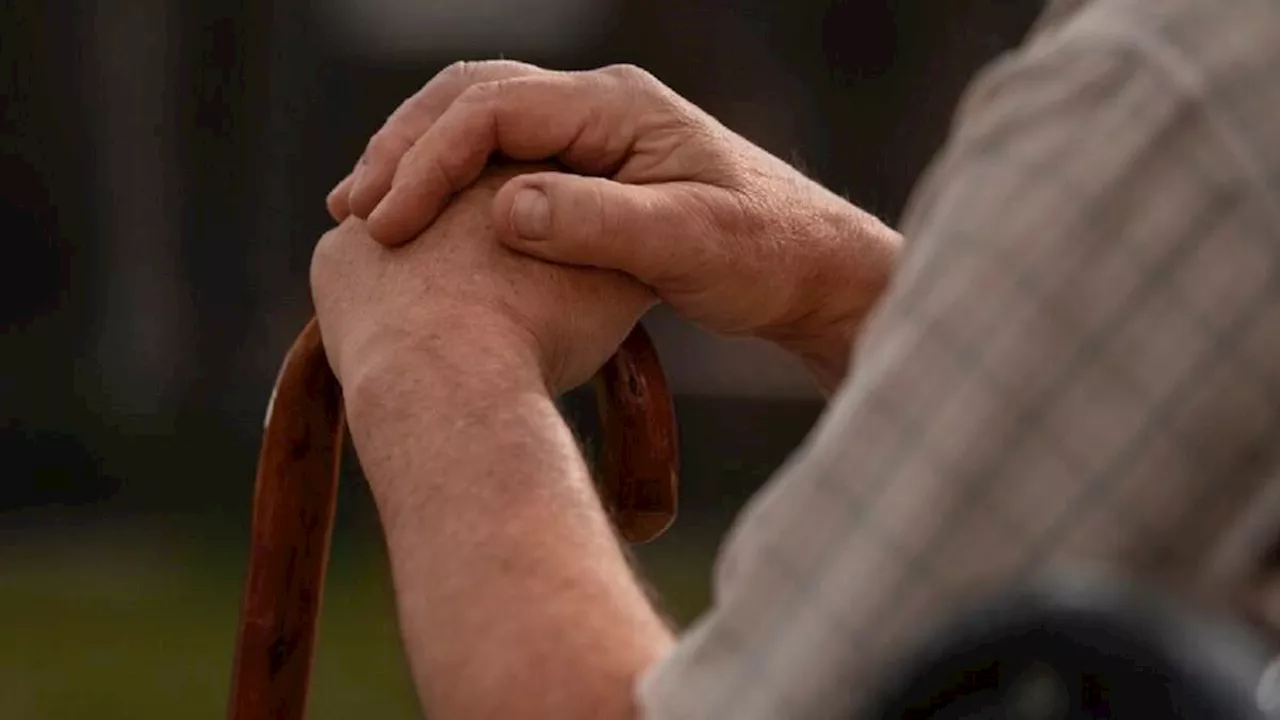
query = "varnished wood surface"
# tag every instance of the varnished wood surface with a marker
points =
(293, 508)
(639, 475)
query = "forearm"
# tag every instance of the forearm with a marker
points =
(515, 598)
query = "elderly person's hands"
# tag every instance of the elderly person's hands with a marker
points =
(730, 236)
(456, 294)
(515, 599)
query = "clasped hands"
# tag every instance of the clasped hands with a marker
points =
(444, 260)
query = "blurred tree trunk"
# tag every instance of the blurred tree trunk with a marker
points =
(146, 322)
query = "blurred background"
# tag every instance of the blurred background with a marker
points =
(163, 165)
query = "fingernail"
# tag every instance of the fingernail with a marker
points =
(531, 214)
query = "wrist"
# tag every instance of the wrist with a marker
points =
(853, 259)
(410, 410)
(465, 350)
(455, 367)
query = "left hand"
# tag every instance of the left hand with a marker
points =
(732, 238)
(456, 293)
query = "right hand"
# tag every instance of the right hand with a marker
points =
(731, 237)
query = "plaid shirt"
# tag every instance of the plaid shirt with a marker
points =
(1078, 362)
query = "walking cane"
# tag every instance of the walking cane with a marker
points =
(294, 499)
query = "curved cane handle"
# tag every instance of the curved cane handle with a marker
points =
(640, 463)
(296, 491)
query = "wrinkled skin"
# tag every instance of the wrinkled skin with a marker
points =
(731, 237)
(455, 283)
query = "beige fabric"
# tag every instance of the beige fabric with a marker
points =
(1079, 361)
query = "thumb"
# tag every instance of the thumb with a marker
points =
(575, 220)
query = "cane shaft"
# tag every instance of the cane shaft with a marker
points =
(293, 506)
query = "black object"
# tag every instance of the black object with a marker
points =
(1087, 650)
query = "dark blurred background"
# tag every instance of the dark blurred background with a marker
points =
(163, 165)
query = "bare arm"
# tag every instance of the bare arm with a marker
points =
(515, 598)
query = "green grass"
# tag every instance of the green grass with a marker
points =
(97, 624)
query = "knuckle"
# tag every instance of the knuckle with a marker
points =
(509, 68)
(637, 81)
(459, 71)
(482, 92)
(464, 74)
(385, 144)
(632, 74)
(639, 86)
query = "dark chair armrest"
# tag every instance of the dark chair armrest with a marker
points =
(1086, 650)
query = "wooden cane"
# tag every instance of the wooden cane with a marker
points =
(295, 494)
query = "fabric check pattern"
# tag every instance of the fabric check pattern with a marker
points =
(1078, 362)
